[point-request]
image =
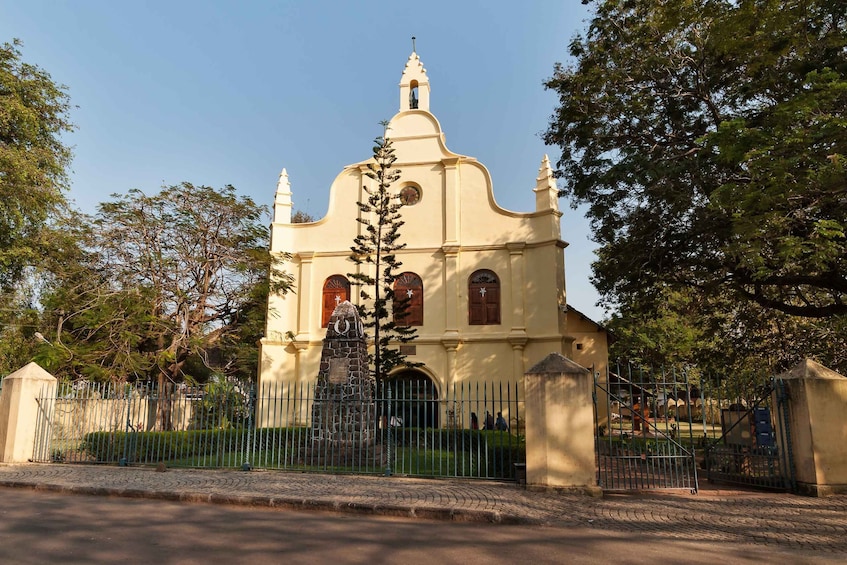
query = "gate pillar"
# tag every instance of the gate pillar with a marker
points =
(817, 425)
(20, 414)
(559, 425)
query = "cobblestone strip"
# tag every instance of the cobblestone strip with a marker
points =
(780, 520)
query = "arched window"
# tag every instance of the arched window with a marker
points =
(336, 291)
(413, 95)
(483, 298)
(409, 287)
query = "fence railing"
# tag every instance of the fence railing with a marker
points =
(473, 431)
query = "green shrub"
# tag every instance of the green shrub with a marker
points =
(443, 439)
(224, 405)
(502, 459)
(152, 447)
(488, 453)
(499, 450)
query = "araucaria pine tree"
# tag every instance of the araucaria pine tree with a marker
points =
(375, 252)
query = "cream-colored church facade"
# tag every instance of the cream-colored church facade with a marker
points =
(487, 284)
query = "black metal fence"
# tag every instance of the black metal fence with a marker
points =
(406, 427)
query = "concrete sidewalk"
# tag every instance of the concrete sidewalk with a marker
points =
(786, 521)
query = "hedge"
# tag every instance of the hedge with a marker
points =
(499, 448)
(152, 447)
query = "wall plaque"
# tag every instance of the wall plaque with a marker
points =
(339, 368)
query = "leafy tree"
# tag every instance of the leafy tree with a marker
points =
(19, 322)
(33, 158)
(376, 248)
(739, 342)
(667, 333)
(239, 357)
(750, 341)
(101, 328)
(708, 139)
(198, 251)
(165, 284)
(301, 217)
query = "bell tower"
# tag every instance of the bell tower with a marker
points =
(414, 85)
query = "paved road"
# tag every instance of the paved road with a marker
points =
(51, 527)
(775, 523)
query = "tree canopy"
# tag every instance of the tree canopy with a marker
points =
(709, 139)
(156, 285)
(723, 337)
(33, 158)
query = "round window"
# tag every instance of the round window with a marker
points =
(410, 195)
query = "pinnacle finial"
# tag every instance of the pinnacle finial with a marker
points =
(414, 50)
(546, 191)
(283, 184)
(282, 199)
(544, 171)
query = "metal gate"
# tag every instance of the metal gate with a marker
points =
(754, 448)
(644, 431)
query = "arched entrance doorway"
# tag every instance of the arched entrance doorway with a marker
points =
(415, 399)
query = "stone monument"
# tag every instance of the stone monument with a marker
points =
(344, 412)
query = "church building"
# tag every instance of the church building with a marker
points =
(487, 285)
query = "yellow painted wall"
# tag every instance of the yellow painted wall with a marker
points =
(455, 229)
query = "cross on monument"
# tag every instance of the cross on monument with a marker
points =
(337, 299)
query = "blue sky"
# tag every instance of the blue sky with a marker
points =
(217, 93)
